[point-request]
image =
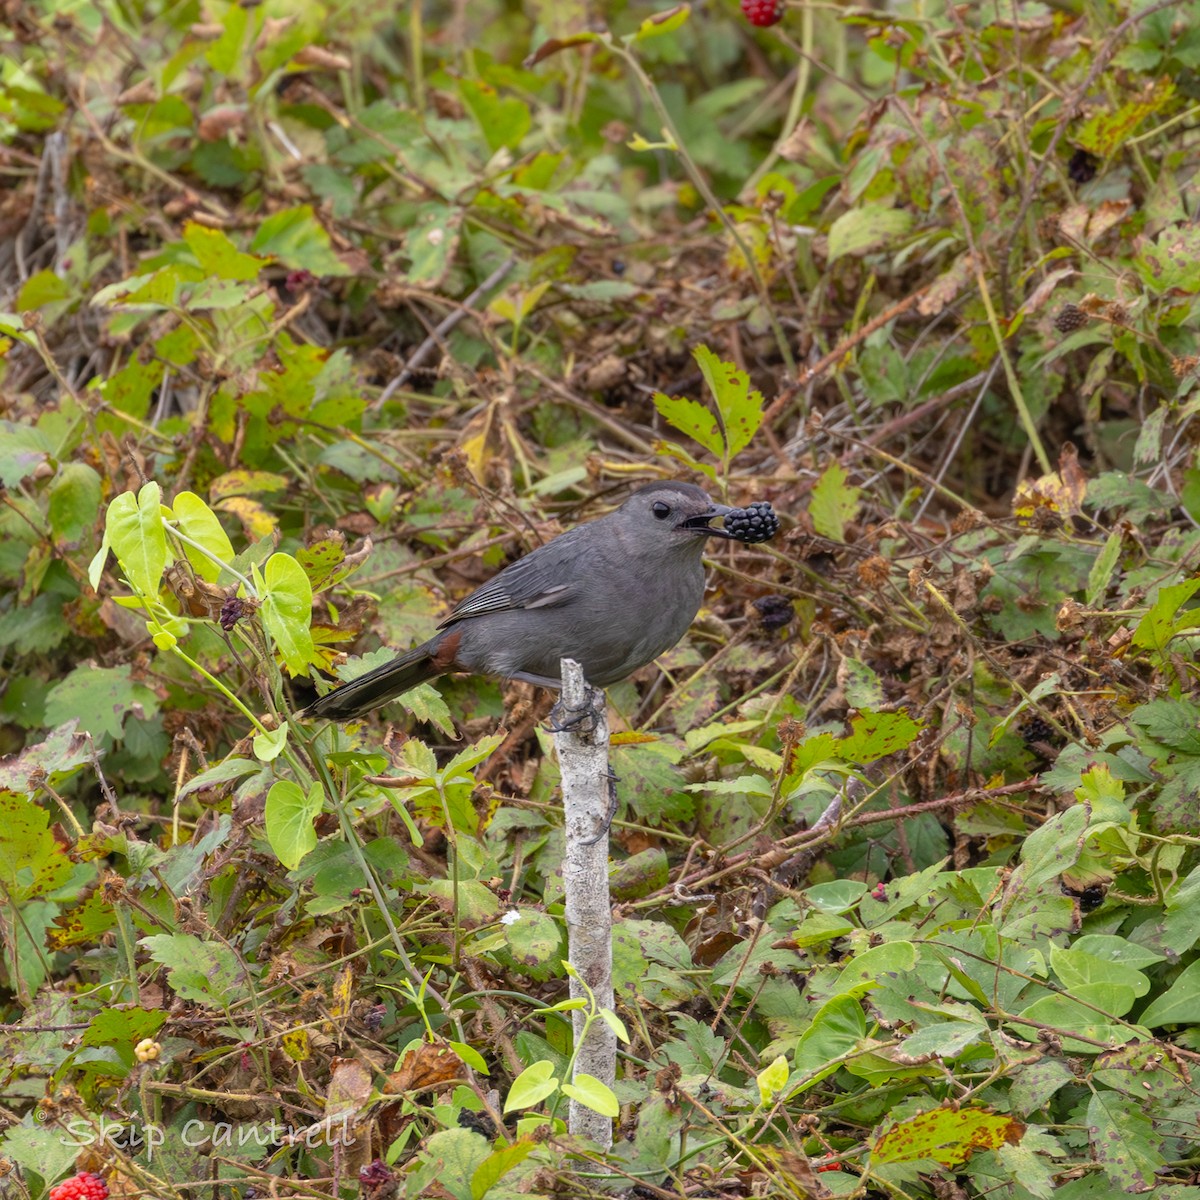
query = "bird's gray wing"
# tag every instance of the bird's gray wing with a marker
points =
(544, 578)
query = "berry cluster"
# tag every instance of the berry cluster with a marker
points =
(1070, 318)
(82, 1186)
(1036, 729)
(763, 12)
(755, 523)
(774, 611)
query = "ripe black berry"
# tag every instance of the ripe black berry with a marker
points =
(1082, 167)
(755, 523)
(774, 611)
(1036, 729)
(1070, 318)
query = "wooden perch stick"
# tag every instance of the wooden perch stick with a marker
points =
(583, 761)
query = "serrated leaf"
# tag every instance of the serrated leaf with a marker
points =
(833, 503)
(218, 257)
(297, 239)
(206, 972)
(741, 409)
(692, 419)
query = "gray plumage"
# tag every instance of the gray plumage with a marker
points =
(612, 594)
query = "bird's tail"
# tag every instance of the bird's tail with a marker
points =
(369, 691)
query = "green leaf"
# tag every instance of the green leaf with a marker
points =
(834, 1032)
(206, 972)
(22, 451)
(503, 120)
(833, 504)
(498, 1164)
(1179, 1004)
(862, 686)
(1076, 968)
(298, 240)
(135, 532)
(867, 228)
(269, 746)
(532, 1086)
(218, 257)
(535, 942)
(426, 703)
(741, 409)
(195, 519)
(1157, 627)
(587, 1090)
(286, 610)
(99, 698)
(110, 1027)
(1101, 573)
(864, 969)
(41, 289)
(460, 765)
(1077, 1013)
(1174, 723)
(432, 242)
(289, 818)
(692, 419)
(1049, 850)
(1123, 1141)
(74, 502)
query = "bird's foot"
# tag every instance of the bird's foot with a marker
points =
(584, 719)
(613, 779)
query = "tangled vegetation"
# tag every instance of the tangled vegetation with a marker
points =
(313, 317)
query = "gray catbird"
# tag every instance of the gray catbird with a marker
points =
(612, 594)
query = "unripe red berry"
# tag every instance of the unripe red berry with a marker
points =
(763, 12)
(82, 1186)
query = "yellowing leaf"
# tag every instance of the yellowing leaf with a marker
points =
(946, 1136)
(256, 520)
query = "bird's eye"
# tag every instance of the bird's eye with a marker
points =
(660, 510)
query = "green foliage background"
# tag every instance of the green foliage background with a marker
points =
(313, 317)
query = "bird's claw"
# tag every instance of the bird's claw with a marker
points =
(613, 779)
(585, 719)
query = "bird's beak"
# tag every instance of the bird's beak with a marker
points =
(700, 522)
